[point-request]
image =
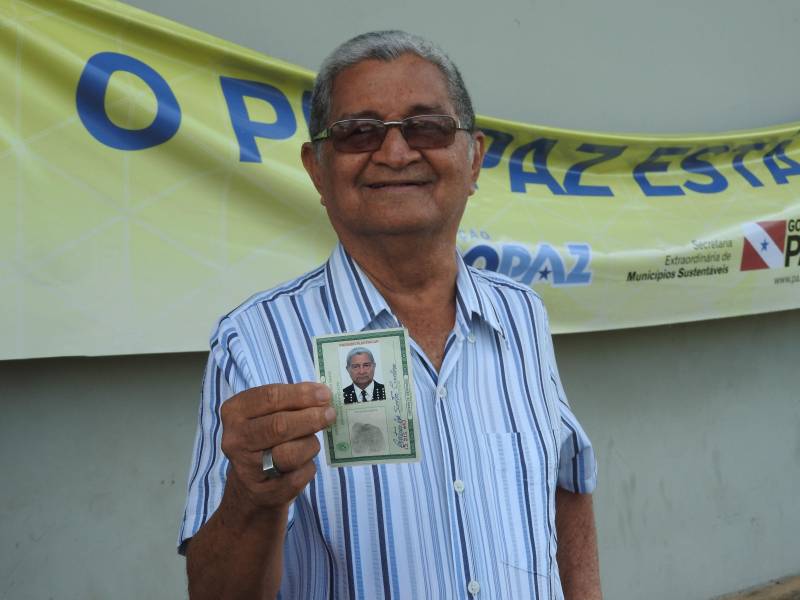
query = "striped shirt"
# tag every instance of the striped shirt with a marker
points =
(476, 517)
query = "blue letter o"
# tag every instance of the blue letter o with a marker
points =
(90, 101)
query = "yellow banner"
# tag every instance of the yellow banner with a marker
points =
(151, 181)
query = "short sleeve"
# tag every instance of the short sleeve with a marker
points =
(225, 375)
(577, 467)
(228, 372)
(209, 465)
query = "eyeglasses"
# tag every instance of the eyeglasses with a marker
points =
(366, 135)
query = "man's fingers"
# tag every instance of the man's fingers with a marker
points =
(292, 455)
(275, 492)
(277, 428)
(288, 456)
(267, 399)
(268, 416)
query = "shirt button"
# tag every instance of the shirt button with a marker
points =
(458, 486)
(441, 391)
(473, 587)
(471, 338)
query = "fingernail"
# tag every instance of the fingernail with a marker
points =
(330, 414)
(323, 394)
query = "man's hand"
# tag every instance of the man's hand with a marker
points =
(238, 553)
(280, 418)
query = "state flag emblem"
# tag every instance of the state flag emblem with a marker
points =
(764, 244)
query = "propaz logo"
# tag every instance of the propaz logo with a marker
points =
(543, 265)
(764, 244)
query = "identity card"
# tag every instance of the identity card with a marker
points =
(369, 375)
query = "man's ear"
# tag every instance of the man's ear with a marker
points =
(311, 162)
(478, 150)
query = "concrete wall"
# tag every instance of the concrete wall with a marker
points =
(93, 456)
(615, 65)
(696, 426)
(697, 430)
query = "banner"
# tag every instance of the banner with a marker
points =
(151, 181)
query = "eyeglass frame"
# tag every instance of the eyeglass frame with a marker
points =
(325, 134)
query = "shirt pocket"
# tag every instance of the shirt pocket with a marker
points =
(520, 508)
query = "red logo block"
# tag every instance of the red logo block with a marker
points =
(764, 244)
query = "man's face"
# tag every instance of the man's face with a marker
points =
(395, 189)
(361, 369)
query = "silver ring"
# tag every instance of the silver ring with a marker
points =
(268, 465)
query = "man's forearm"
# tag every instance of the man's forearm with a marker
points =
(577, 546)
(237, 553)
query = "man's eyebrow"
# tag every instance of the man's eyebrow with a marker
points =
(364, 114)
(428, 109)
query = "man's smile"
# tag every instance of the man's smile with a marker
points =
(400, 183)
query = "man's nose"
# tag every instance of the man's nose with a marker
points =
(395, 151)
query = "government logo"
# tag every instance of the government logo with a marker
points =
(764, 245)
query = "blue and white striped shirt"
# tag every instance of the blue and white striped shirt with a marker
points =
(474, 518)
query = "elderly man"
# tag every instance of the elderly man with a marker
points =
(499, 505)
(361, 368)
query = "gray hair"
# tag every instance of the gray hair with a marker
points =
(359, 350)
(386, 46)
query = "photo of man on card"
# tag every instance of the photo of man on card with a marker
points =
(361, 368)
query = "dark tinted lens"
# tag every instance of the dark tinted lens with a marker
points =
(429, 131)
(358, 135)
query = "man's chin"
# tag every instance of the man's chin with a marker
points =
(403, 225)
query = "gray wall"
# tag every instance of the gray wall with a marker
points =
(94, 455)
(615, 65)
(696, 426)
(697, 430)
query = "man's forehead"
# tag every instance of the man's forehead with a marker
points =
(364, 357)
(408, 85)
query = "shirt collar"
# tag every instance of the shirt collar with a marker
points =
(473, 299)
(354, 304)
